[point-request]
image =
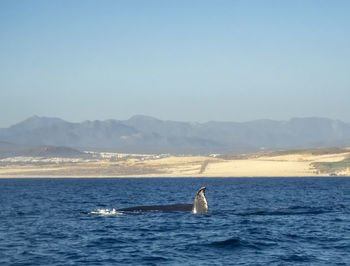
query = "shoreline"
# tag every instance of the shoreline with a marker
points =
(309, 163)
(165, 177)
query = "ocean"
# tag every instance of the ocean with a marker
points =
(251, 221)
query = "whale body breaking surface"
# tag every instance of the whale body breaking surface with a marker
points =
(200, 205)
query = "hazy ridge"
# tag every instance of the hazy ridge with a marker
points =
(143, 134)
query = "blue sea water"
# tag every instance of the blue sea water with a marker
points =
(251, 221)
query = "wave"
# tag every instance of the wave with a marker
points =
(297, 258)
(232, 242)
(236, 242)
(106, 212)
(294, 210)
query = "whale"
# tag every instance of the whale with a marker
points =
(200, 205)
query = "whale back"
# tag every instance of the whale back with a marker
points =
(200, 204)
(160, 208)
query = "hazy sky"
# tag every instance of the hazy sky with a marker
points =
(177, 60)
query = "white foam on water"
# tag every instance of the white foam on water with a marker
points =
(106, 212)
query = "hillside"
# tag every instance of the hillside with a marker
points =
(12, 150)
(141, 134)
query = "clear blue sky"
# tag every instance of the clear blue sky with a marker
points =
(177, 60)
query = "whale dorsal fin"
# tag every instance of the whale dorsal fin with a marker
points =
(200, 204)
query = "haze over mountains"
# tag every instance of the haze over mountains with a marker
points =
(142, 134)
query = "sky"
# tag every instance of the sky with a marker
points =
(182, 60)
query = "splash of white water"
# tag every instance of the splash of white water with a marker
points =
(106, 212)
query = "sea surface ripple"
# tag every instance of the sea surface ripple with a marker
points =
(251, 221)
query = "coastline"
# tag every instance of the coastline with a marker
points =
(150, 177)
(270, 164)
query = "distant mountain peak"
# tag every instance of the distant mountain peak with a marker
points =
(36, 119)
(143, 118)
(36, 122)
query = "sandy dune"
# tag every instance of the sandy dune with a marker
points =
(254, 165)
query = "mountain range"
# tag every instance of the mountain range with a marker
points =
(144, 134)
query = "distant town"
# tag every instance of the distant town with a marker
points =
(90, 156)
